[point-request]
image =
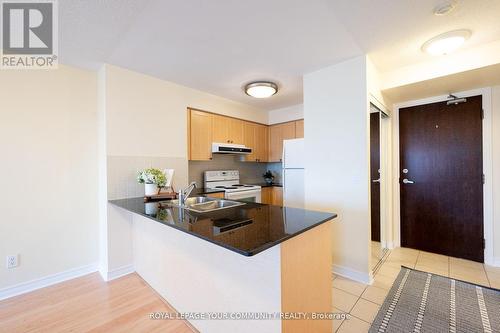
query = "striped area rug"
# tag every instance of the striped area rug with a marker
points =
(425, 302)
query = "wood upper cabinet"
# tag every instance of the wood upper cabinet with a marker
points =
(262, 142)
(227, 130)
(278, 133)
(255, 136)
(299, 129)
(200, 135)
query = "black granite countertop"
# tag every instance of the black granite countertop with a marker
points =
(247, 229)
(268, 185)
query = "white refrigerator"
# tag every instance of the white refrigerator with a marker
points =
(293, 173)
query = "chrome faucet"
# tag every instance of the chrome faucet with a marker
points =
(185, 192)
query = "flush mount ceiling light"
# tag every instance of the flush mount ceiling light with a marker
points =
(446, 43)
(261, 89)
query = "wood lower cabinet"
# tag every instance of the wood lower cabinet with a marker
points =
(219, 195)
(227, 130)
(278, 133)
(277, 196)
(200, 135)
(272, 195)
(266, 195)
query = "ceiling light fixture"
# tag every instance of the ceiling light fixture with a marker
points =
(446, 43)
(261, 89)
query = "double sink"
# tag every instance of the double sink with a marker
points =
(205, 204)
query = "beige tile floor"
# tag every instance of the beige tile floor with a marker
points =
(378, 253)
(362, 302)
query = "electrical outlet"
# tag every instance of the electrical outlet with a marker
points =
(12, 261)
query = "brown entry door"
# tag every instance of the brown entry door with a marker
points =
(375, 174)
(441, 178)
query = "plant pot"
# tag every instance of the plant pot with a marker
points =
(268, 180)
(150, 189)
(151, 208)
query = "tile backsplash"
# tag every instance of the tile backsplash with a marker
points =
(123, 170)
(250, 172)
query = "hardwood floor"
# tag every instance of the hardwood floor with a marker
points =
(88, 304)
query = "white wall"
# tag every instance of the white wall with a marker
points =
(146, 126)
(48, 198)
(289, 113)
(337, 148)
(495, 130)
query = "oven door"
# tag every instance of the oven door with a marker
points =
(248, 196)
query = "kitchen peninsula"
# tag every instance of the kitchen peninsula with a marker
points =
(250, 259)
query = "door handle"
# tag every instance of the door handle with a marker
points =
(406, 181)
(376, 181)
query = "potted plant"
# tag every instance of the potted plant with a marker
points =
(153, 179)
(268, 177)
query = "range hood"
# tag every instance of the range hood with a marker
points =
(230, 148)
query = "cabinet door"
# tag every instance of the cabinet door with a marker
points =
(227, 130)
(219, 195)
(236, 131)
(277, 196)
(250, 140)
(299, 129)
(266, 195)
(275, 143)
(220, 129)
(288, 131)
(262, 142)
(278, 133)
(200, 135)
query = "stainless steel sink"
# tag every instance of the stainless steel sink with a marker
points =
(192, 201)
(204, 204)
(214, 205)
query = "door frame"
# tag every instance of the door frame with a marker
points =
(487, 167)
(385, 175)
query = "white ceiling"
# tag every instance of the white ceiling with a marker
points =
(392, 32)
(218, 46)
(478, 78)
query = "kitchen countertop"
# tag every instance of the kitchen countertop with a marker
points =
(247, 229)
(268, 185)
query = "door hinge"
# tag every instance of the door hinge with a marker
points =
(484, 179)
(484, 243)
(482, 113)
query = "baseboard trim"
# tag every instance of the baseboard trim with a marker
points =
(495, 262)
(353, 274)
(118, 272)
(32, 285)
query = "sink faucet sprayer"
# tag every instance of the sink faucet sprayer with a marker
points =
(185, 192)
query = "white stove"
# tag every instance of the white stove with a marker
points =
(229, 181)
